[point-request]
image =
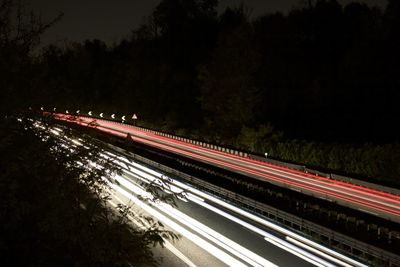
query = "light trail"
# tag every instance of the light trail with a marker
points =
(190, 223)
(167, 244)
(150, 175)
(384, 204)
(198, 197)
(207, 246)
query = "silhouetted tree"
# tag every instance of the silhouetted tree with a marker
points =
(228, 93)
(20, 32)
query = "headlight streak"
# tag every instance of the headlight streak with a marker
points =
(142, 225)
(287, 246)
(76, 142)
(271, 225)
(213, 250)
(177, 186)
(279, 245)
(220, 240)
(282, 244)
(324, 252)
(316, 251)
(54, 132)
(231, 246)
(145, 177)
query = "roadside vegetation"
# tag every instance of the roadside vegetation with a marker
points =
(55, 212)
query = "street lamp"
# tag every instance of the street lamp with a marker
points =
(90, 113)
(123, 118)
(66, 111)
(41, 108)
(54, 109)
(113, 116)
(101, 115)
(77, 112)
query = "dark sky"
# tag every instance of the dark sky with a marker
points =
(111, 20)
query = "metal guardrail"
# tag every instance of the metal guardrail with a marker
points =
(296, 223)
(332, 176)
(268, 211)
(297, 167)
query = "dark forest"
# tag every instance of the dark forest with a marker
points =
(322, 81)
(318, 86)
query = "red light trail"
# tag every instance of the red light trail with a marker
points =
(370, 200)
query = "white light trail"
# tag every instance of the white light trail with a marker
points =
(324, 252)
(211, 234)
(231, 246)
(273, 226)
(305, 255)
(213, 250)
(316, 251)
(196, 196)
(279, 245)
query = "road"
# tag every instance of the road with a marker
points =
(368, 200)
(213, 231)
(216, 233)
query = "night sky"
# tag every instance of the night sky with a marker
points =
(111, 20)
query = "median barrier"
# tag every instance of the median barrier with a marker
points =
(330, 238)
(297, 167)
(382, 188)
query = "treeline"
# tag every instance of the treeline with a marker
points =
(324, 73)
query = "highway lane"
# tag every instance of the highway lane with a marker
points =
(368, 200)
(238, 225)
(243, 247)
(210, 226)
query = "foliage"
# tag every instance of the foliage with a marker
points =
(54, 212)
(375, 163)
(20, 32)
(228, 95)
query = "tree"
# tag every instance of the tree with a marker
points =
(54, 211)
(20, 32)
(228, 95)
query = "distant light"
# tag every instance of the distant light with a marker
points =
(101, 115)
(66, 111)
(90, 113)
(113, 116)
(41, 108)
(54, 109)
(77, 112)
(266, 154)
(123, 118)
(134, 116)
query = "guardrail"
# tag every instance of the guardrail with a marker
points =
(332, 176)
(293, 166)
(336, 240)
